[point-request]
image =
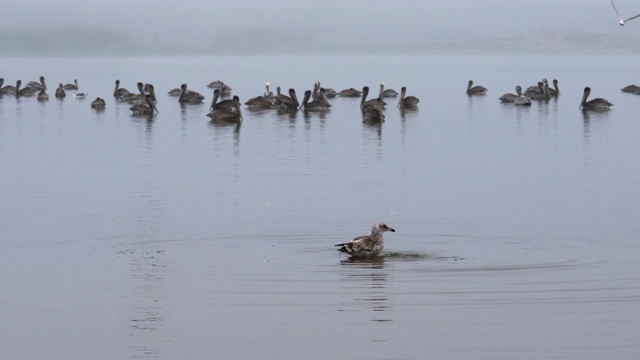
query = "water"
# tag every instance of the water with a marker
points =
(516, 228)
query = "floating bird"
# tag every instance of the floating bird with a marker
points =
(318, 105)
(23, 92)
(555, 91)
(388, 92)
(147, 109)
(350, 92)
(78, 95)
(367, 245)
(35, 85)
(598, 104)
(263, 101)
(407, 101)
(225, 115)
(475, 90)
(42, 96)
(188, 96)
(98, 103)
(633, 89)
(285, 102)
(119, 92)
(521, 100)
(224, 104)
(73, 86)
(622, 22)
(371, 103)
(373, 114)
(60, 93)
(9, 89)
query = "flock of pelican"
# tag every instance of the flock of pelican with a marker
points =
(542, 91)
(143, 101)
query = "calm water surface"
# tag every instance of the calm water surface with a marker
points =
(517, 228)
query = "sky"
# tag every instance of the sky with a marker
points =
(345, 22)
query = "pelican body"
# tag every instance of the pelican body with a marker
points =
(598, 104)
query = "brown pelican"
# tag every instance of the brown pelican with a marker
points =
(151, 90)
(633, 89)
(364, 103)
(224, 104)
(60, 93)
(131, 97)
(350, 92)
(9, 89)
(555, 91)
(319, 105)
(509, 97)
(288, 102)
(174, 92)
(598, 104)
(98, 103)
(622, 22)
(144, 109)
(73, 86)
(373, 114)
(387, 92)
(521, 100)
(541, 94)
(42, 95)
(188, 96)
(261, 102)
(23, 92)
(475, 90)
(119, 92)
(218, 84)
(225, 115)
(408, 101)
(35, 85)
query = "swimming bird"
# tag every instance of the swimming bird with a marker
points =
(98, 103)
(25, 91)
(318, 105)
(541, 94)
(350, 92)
(509, 97)
(218, 84)
(225, 115)
(73, 86)
(521, 100)
(373, 114)
(290, 102)
(144, 109)
(60, 93)
(367, 245)
(133, 97)
(371, 103)
(555, 91)
(9, 89)
(598, 104)
(78, 95)
(35, 85)
(119, 92)
(622, 22)
(263, 101)
(407, 101)
(475, 90)
(224, 104)
(151, 90)
(174, 92)
(42, 96)
(188, 96)
(633, 89)
(387, 92)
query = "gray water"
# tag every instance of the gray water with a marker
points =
(516, 228)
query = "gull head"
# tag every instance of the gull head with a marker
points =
(621, 23)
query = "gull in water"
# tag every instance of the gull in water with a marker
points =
(622, 22)
(367, 245)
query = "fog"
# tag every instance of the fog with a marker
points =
(201, 23)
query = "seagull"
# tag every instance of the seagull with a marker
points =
(367, 245)
(78, 95)
(622, 22)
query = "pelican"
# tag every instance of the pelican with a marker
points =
(541, 94)
(73, 86)
(521, 100)
(319, 105)
(119, 92)
(367, 245)
(373, 114)
(224, 104)
(475, 90)
(261, 102)
(622, 22)
(132, 97)
(371, 103)
(151, 90)
(98, 103)
(60, 93)
(174, 92)
(509, 97)
(42, 96)
(407, 101)
(9, 89)
(144, 109)
(23, 92)
(350, 92)
(387, 92)
(288, 102)
(35, 85)
(224, 115)
(598, 104)
(634, 89)
(188, 96)
(218, 84)
(555, 91)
